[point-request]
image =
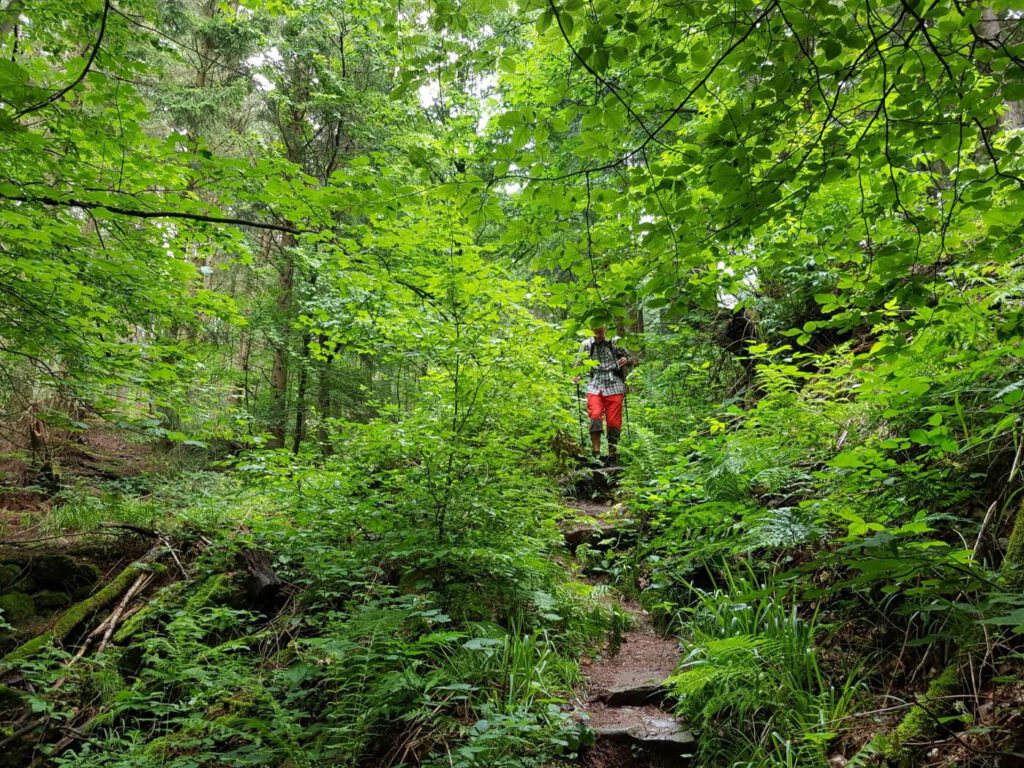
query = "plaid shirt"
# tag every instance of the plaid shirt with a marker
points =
(603, 380)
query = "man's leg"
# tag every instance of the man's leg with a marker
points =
(613, 411)
(595, 407)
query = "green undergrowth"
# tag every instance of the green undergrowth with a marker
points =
(167, 502)
(422, 622)
(814, 541)
(752, 676)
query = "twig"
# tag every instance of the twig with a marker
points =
(174, 554)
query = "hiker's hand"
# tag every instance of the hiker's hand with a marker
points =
(576, 379)
(622, 361)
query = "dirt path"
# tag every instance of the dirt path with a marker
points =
(625, 686)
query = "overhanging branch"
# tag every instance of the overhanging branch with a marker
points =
(138, 213)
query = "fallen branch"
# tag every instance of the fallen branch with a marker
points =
(116, 615)
(149, 533)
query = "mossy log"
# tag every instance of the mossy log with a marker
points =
(922, 721)
(1013, 561)
(76, 614)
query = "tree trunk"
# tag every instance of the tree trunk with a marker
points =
(991, 28)
(263, 585)
(1013, 561)
(278, 426)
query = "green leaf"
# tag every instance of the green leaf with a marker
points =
(12, 75)
(567, 23)
(1015, 619)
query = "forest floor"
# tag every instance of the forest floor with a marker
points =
(30, 487)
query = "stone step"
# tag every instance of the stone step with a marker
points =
(594, 523)
(644, 726)
(633, 693)
(640, 736)
(582, 531)
(595, 482)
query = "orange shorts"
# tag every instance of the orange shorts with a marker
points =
(610, 405)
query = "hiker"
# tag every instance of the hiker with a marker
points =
(606, 389)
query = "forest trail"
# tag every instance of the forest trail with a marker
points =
(624, 690)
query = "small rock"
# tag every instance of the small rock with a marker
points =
(589, 532)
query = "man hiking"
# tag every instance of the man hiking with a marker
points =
(606, 389)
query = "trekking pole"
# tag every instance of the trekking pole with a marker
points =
(579, 410)
(625, 413)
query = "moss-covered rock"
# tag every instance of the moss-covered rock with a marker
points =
(218, 589)
(17, 606)
(62, 573)
(50, 599)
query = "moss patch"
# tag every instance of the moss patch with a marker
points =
(17, 606)
(9, 574)
(50, 600)
(921, 722)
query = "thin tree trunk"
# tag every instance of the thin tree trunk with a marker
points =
(323, 401)
(1013, 561)
(991, 27)
(300, 395)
